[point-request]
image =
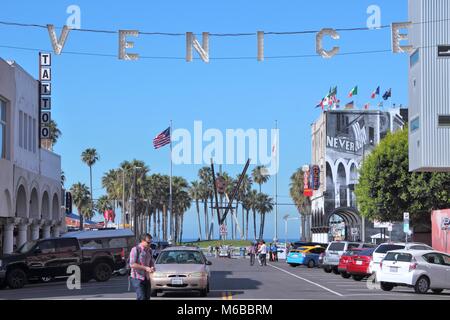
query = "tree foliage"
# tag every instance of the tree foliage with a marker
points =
(386, 189)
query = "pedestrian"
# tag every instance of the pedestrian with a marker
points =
(252, 252)
(217, 251)
(275, 251)
(142, 265)
(263, 253)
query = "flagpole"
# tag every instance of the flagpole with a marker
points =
(276, 181)
(170, 187)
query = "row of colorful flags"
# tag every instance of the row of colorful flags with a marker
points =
(331, 100)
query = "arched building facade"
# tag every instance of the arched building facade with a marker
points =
(341, 139)
(31, 197)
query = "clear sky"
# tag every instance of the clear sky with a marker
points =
(118, 106)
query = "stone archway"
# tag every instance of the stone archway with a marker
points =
(45, 207)
(21, 203)
(55, 208)
(352, 220)
(34, 205)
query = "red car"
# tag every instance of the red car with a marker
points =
(345, 259)
(359, 265)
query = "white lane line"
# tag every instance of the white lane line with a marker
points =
(309, 281)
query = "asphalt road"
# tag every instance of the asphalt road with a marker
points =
(236, 279)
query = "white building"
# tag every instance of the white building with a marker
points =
(30, 177)
(429, 85)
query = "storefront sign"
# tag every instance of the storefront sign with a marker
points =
(341, 144)
(45, 100)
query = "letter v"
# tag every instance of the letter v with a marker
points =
(58, 45)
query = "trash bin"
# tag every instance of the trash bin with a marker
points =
(242, 251)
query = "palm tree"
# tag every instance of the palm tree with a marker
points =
(264, 206)
(90, 157)
(259, 175)
(205, 176)
(302, 203)
(103, 204)
(195, 194)
(55, 133)
(244, 189)
(252, 198)
(80, 197)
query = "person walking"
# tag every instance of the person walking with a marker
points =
(252, 252)
(275, 252)
(263, 253)
(142, 265)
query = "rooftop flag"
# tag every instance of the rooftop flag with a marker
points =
(350, 105)
(376, 93)
(387, 94)
(353, 92)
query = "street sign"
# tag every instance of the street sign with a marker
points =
(390, 227)
(381, 225)
(223, 229)
(406, 222)
(445, 222)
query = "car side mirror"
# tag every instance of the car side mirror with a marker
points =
(208, 263)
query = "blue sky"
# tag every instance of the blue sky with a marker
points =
(118, 106)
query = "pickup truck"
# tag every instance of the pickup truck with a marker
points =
(52, 257)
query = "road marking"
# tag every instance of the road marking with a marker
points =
(309, 281)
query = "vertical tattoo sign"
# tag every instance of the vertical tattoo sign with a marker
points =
(45, 100)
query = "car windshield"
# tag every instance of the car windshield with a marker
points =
(336, 246)
(367, 252)
(27, 246)
(400, 257)
(388, 247)
(180, 257)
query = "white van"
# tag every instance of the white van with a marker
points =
(334, 252)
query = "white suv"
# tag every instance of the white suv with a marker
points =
(382, 249)
(420, 269)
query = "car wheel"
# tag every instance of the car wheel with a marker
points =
(292, 265)
(357, 277)
(102, 272)
(3, 284)
(153, 293)
(335, 270)
(345, 275)
(327, 269)
(311, 264)
(16, 278)
(203, 292)
(422, 285)
(386, 286)
(437, 291)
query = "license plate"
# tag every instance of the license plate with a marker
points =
(359, 263)
(393, 269)
(177, 281)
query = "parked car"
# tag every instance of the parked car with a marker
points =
(359, 264)
(419, 269)
(52, 257)
(181, 269)
(382, 249)
(344, 260)
(308, 256)
(334, 252)
(299, 244)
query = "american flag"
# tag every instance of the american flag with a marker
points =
(162, 139)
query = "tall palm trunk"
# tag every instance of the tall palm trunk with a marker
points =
(243, 222)
(90, 179)
(181, 226)
(159, 224)
(254, 223)
(164, 231)
(212, 217)
(246, 224)
(205, 203)
(81, 219)
(155, 213)
(302, 217)
(198, 218)
(261, 227)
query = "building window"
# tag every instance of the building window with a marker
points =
(3, 131)
(371, 135)
(21, 129)
(415, 124)
(25, 131)
(414, 58)
(34, 135)
(444, 121)
(30, 132)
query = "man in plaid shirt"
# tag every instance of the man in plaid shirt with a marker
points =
(142, 264)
